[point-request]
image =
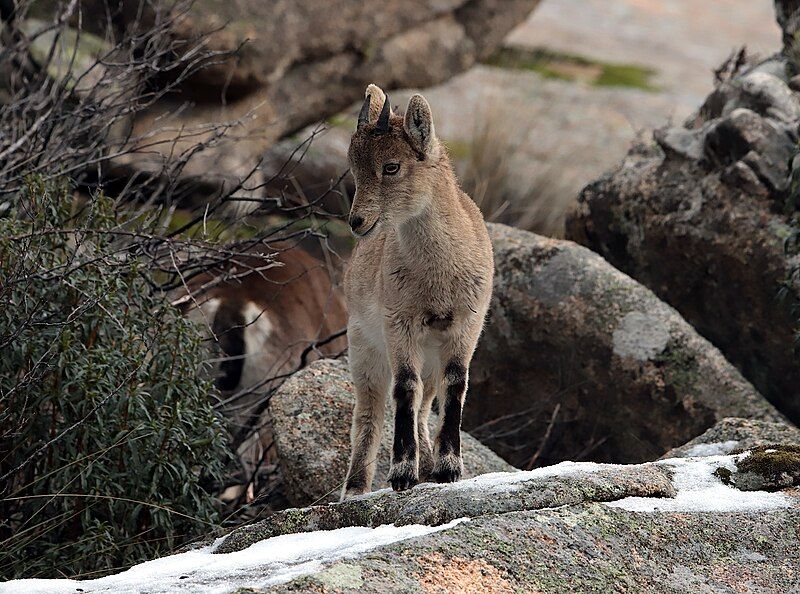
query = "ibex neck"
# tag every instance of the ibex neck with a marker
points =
(434, 227)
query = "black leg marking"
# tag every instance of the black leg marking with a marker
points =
(404, 468)
(448, 466)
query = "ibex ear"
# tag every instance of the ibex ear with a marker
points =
(418, 124)
(376, 99)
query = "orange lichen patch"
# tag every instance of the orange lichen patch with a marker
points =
(740, 578)
(461, 576)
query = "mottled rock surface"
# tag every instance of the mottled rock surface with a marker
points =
(703, 216)
(311, 415)
(737, 434)
(579, 361)
(586, 548)
(561, 540)
(673, 526)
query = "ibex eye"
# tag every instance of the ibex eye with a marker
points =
(391, 168)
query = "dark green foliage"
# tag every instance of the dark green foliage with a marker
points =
(107, 431)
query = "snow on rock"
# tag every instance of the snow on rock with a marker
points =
(265, 563)
(496, 482)
(500, 482)
(717, 448)
(700, 490)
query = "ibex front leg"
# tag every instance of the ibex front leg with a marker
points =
(407, 393)
(370, 371)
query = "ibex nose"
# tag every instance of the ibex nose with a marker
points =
(356, 222)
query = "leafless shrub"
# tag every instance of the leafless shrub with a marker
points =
(68, 102)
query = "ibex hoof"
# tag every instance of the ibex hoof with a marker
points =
(350, 493)
(403, 475)
(448, 469)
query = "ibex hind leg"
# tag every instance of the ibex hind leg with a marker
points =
(429, 388)
(455, 359)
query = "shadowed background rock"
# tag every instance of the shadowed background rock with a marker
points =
(299, 62)
(579, 361)
(705, 216)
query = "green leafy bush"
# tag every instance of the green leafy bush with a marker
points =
(108, 437)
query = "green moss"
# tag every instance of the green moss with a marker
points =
(626, 75)
(539, 61)
(74, 53)
(724, 475)
(680, 367)
(772, 460)
(291, 521)
(341, 576)
(570, 67)
(210, 228)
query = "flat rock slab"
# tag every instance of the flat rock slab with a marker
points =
(311, 416)
(433, 505)
(666, 526)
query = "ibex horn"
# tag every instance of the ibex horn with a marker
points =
(383, 119)
(363, 115)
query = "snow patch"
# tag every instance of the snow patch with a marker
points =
(268, 562)
(498, 482)
(716, 448)
(699, 490)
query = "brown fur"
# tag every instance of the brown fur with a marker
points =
(418, 288)
(263, 322)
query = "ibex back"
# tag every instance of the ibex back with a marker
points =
(418, 287)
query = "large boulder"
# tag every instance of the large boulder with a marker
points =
(579, 361)
(705, 217)
(311, 415)
(299, 62)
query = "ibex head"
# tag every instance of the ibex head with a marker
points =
(394, 161)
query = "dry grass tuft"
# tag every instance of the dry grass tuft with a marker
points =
(528, 194)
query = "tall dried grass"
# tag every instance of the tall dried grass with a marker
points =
(534, 195)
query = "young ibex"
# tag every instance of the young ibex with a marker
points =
(417, 288)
